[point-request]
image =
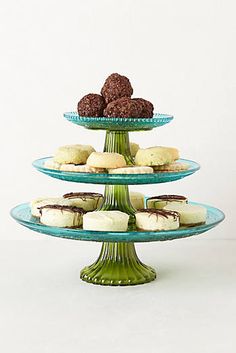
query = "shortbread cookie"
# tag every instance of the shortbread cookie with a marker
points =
(42, 201)
(136, 199)
(90, 149)
(156, 220)
(61, 216)
(131, 170)
(154, 156)
(171, 167)
(159, 202)
(106, 160)
(51, 164)
(80, 168)
(190, 215)
(89, 201)
(114, 221)
(134, 147)
(75, 154)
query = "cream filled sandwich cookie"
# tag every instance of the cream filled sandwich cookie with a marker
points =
(136, 199)
(106, 160)
(75, 154)
(134, 147)
(151, 219)
(154, 156)
(80, 168)
(190, 215)
(36, 204)
(89, 201)
(171, 167)
(159, 202)
(61, 216)
(131, 170)
(114, 221)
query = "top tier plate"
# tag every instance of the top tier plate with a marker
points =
(119, 124)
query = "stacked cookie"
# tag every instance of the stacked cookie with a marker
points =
(186, 214)
(84, 159)
(115, 163)
(115, 101)
(168, 212)
(72, 158)
(76, 158)
(76, 209)
(160, 158)
(66, 211)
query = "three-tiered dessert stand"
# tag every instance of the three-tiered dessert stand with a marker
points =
(118, 263)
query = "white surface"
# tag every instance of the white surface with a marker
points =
(180, 55)
(46, 308)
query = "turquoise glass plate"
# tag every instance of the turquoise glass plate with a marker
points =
(22, 214)
(120, 124)
(117, 179)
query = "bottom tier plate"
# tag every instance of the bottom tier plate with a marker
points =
(22, 214)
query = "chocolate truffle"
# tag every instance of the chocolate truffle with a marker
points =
(122, 108)
(145, 107)
(91, 105)
(115, 87)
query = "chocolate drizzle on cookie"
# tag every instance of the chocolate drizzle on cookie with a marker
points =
(168, 197)
(72, 209)
(162, 213)
(82, 195)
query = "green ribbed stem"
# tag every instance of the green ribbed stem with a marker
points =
(118, 263)
(118, 141)
(116, 197)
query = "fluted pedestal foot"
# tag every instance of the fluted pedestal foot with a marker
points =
(118, 265)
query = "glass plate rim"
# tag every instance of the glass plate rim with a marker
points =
(156, 116)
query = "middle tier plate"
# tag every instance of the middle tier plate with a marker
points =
(117, 179)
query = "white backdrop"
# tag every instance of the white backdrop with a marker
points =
(181, 56)
(178, 54)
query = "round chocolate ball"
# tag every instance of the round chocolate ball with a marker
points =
(122, 108)
(115, 87)
(145, 108)
(91, 105)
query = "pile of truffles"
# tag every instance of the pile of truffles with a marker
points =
(115, 101)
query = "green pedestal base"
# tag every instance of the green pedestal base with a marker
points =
(116, 197)
(118, 265)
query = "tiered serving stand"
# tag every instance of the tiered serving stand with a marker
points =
(118, 263)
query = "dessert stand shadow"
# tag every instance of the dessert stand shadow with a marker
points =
(118, 263)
